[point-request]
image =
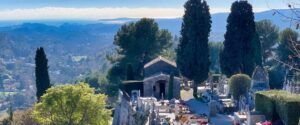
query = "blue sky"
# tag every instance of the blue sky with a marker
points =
(107, 9)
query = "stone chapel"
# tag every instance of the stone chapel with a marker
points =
(156, 80)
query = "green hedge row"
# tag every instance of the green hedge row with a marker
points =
(285, 104)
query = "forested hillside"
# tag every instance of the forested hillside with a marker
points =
(72, 51)
(75, 48)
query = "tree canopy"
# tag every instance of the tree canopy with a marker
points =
(41, 72)
(238, 55)
(268, 36)
(71, 105)
(192, 52)
(129, 72)
(276, 76)
(99, 82)
(138, 43)
(285, 48)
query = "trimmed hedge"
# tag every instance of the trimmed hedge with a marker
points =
(285, 104)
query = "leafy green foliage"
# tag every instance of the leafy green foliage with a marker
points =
(23, 117)
(192, 52)
(239, 85)
(268, 36)
(114, 79)
(238, 55)
(93, 81)
(285, 48)
(137, 43)
(129, 73)
(41, 73)
(100, 83)
(276, 77)
(171, 87)
(279, 102)
(71, 105)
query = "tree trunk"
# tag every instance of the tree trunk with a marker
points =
(195, 91)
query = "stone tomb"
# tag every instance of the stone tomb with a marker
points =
(156, 80)
(157, 75)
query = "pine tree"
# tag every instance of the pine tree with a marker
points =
(257, 50)
(41, 72)
(268, 34)
(192, 52)
(238, 55)
(138, 43)
(285, 49)
(129, 73)
(171, 87)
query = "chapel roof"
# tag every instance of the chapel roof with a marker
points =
(158, 59)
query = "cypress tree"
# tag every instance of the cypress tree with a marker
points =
(238, 53)
(171, 87)
(192, 52)
(41, 72)
(11, 113)
(10, 110)
(129, 73)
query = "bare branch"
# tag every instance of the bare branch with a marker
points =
(285, 64)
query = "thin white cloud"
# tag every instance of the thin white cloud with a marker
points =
(88, 13)
(57, 13)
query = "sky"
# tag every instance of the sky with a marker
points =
(109, 9)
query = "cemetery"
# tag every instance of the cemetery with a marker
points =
(147, 101)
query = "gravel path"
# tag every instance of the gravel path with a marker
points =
(200, 108)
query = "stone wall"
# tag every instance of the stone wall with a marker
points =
(151, 82)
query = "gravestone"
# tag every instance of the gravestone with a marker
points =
(292, 82)
(260, 80)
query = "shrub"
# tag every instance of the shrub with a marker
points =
(239, 85)
(19, 117)
(286, 105)
(23, 117)
(72, 105)
(276, 77)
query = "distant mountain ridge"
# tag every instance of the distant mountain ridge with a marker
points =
(110, 26)
(219, 22)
